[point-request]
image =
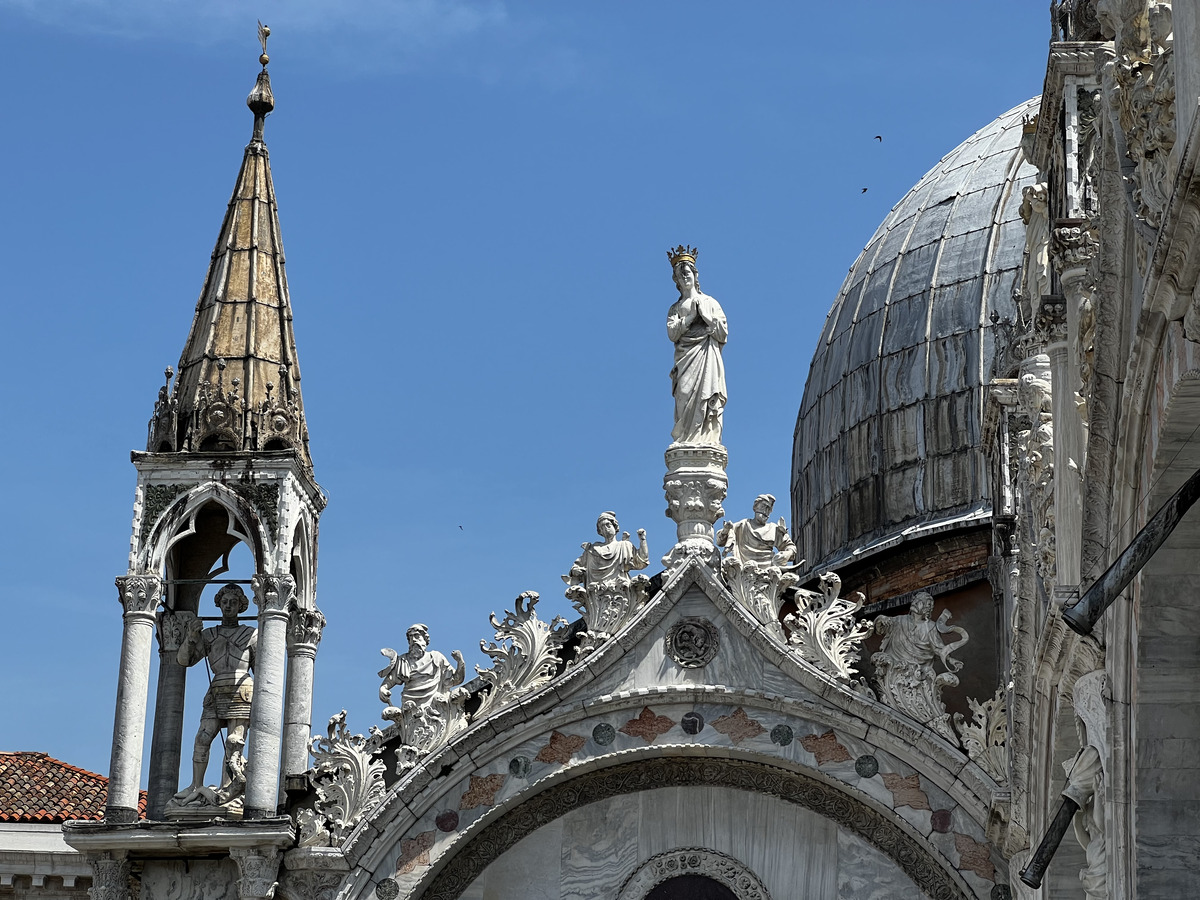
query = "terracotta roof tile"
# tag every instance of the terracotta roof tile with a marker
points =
(36, 787)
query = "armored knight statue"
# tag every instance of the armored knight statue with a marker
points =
(904, 665)
(229, 650)
(599, 584)
(696, 325)
(431, 709)
(758, 559)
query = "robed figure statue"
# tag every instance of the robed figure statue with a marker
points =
(696, 325)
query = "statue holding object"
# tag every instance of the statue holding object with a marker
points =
(759, 559)
(431, 709)
(599, 584)
(229, 649)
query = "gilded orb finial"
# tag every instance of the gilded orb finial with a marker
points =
(263, 33)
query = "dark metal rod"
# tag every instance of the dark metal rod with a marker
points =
(206, 581)
(1083, 616)
(1033, 873)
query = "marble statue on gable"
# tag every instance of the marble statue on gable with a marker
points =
(1035, 213)
(229, 650)
(431, 708)
(1085, 781)
(759, 560)
(599, 584)
(908, 680)
(696, 326)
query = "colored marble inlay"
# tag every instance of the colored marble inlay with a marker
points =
(939, 820)
(604, 734)
(561, 748)
(866, 766)
(519, 766)
(647, 726)
(825, 748)
(906, 790)
(974, 856)
(739, 726)
(414, 852)
(482, 791)
(692, 723)
(782, 735)
(387, 889)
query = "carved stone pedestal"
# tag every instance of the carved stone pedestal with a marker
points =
(695, 486)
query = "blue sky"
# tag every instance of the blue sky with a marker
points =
(475, 200)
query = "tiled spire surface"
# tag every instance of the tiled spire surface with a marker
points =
(238, 385)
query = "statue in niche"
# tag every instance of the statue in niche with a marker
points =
(696, 326)
(229, 649)
(1035, 213)
(1085, 781)
(431, 709)
(758, 560)
(599, 584)
(904, 665)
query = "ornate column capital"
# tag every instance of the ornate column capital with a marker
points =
(304, 629)
(110, 877)
(273, 594)
(259, 870)
(1050, 321)
(1073, 245)
(139, 595)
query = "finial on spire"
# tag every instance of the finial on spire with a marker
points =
(261, 101)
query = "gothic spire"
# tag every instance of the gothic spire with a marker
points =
(238, 386)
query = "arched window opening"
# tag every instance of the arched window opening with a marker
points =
(691, 887)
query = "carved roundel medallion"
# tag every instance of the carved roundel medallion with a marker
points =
(692, 642)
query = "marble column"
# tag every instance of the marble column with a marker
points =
(272, 594)
(139, 595)
(304, 634)
(166, 741)
(110, 877)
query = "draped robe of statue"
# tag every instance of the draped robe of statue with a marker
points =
(698, 329)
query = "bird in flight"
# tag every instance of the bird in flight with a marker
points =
(879, 137)
(864, 190)
(460, 528)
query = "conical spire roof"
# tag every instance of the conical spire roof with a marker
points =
(238, 386)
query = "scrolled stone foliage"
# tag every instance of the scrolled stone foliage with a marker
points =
(985, 736)
(823, 628)
(348, 779)
(526, 654)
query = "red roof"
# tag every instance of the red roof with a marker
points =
(35, 787)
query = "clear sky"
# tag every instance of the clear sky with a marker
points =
(476, 199)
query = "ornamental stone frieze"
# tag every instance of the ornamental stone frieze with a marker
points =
(305, 626)
(432, 704)
(110, 877)
(527, 653)
(734, 875)
(273, 593)
(259, 871)
(139, 594)
(348, 778)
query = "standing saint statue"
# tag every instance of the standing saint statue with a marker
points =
(758, 561)
(599, 584)
(229, 650)
(696, 325)
(431, 709)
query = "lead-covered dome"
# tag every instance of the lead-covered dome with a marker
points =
(887, 443)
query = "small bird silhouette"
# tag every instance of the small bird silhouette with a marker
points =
(879, 137)
(864, 190)
(460, 528)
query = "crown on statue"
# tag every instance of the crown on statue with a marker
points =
(681, 253)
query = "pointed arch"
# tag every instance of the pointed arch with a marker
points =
(179, 521)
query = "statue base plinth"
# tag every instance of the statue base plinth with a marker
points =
(194, 813)
(695, 486)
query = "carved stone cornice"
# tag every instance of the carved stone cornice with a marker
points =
(139, 594)
(273, 594)
(259, 870)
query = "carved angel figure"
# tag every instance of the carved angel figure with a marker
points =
(697, 327)
(229, 650)
(758, 559)
(599, 584)
(904, 665)
(431, 709)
